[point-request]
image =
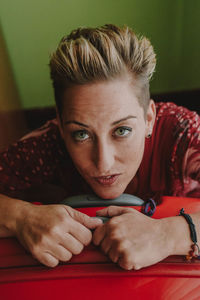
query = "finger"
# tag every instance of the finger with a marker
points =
(112, 211)
(80, 232)
(72, 244)
(106, 245)
(90, 223)
(47, 259)
(113, 254)
(99, 235)
(124, 263)
(59, 252)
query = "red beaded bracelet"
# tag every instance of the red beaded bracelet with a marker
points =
(194, 253)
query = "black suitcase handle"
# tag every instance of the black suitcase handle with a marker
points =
(95, 201)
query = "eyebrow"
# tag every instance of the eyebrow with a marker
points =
(114, 123)
(124, 119)
(75, 122)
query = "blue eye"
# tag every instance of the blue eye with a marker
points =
(123, 131)
(80, 135)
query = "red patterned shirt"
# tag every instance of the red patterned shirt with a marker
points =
(38, 167)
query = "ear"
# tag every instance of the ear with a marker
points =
(60, 125)
(150, 117)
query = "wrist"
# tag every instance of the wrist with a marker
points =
(12, 211)
(177, 235)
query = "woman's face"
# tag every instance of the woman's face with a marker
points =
(104, 131)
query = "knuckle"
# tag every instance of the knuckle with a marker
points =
(59, 208)
(87, 237)
(44, 258)
(68, 256)
(110, 209)
(65, 256)
(124, 246)
(52, 263)
(95, 238)
(53, 231)
(115, 236)
(68, 208)
(128, 267)
(61, 212)
(70, 211)
(126, 264)
(35, 250)
(113, 257)
(115, 225)
(78, 250)
(112, 229)
(113, 222)
(120, 250)
(63, 215)
(129, 263)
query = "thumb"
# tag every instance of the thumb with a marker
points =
(89, 222)
(112, 211)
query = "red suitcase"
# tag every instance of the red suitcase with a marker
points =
(91, 275)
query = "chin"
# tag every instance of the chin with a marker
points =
(108, 194)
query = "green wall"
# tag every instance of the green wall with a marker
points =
(32, 30)
(190, 62)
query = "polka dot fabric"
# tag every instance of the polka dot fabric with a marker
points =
(171, 163)
(170, 166)
(32, 160)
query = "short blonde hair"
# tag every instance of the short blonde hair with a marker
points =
(88, 55)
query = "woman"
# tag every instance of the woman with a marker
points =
(109, 138)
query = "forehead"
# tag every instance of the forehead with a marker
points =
(101, 100)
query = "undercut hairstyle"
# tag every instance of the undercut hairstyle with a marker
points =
(89, 55)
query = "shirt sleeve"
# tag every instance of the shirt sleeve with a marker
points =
(186, 155)
(31, 161)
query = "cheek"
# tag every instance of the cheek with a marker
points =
(80, 157)
(133, 152)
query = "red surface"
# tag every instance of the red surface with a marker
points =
(91, 275)
(101, 281)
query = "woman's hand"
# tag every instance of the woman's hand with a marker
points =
(53, 233)
(132, 239)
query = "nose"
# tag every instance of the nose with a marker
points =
(104, 157)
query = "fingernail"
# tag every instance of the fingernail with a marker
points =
(98, 220)
(103, 219)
